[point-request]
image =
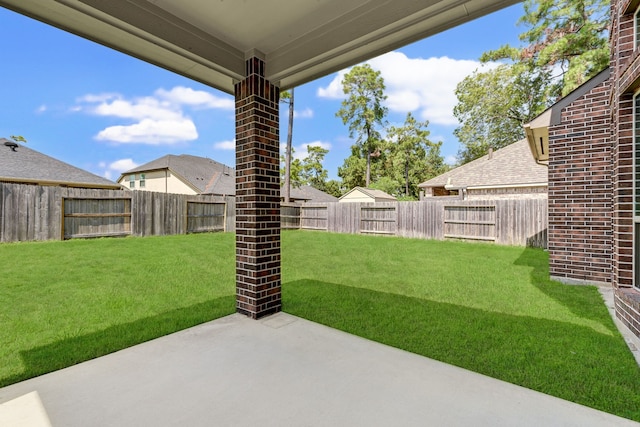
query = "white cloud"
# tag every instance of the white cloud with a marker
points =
(451, 160)
(142, 108)
(122, 165)
(301, 151)
(307, 113)
(109, 170)
(151, 132)
(197, 98)
(425, 86)
(225, 145)
(41, 109)
(155, 120)
(334, 90)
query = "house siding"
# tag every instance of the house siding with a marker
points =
(161, 181)
(580, 190)
(508, 193)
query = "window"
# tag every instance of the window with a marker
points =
(142, 180)
(636, 190)
(636, 28)
(132, 181)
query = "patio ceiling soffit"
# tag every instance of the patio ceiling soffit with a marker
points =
(209, 41)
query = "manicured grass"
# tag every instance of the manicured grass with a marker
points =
(487, 308)
(65, 302)
(490, 309)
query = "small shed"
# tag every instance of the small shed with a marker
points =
(366, 195)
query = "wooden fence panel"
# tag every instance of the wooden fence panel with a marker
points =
(378, 218)
(421, 220)
(343, 218)
(290, 216)
(31, 212)
(470, 221)
(205, 216)
(314, 217)
(96, 218)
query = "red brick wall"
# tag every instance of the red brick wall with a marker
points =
(580, 190)
(258, 290)
(625, 61)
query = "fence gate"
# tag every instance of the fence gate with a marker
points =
(205, 217)
(290, 216)
(82, 218)
(470, 222)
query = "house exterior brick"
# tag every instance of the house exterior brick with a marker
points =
(625, 62)
(580, 187)
(258, 290)
(594, 177)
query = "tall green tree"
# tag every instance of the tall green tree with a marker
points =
(288, 97)
(294, 172)
(363, 111)
(313, 172)
(334, 187)
(494, 105)
(412, 158)
(565, 43)
(569, 35)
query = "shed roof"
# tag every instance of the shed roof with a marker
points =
(205, 175)
(371, 192)
(26, 165)
(300, 41)
(508, 166)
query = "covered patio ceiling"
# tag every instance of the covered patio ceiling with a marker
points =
(209, 40)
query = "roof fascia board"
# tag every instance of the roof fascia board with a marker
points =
(524, 185)
(115, 186)
(79, 19)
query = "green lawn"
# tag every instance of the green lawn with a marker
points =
(487, 308)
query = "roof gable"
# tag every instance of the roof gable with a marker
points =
(511, 165)
(27, 165)
(371, 192)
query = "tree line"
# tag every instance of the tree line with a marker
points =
(394, 159)
(564, 44)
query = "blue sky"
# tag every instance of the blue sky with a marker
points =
(105, 112)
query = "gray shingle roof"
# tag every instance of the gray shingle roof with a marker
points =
(311, 194)
(206, 175)
(511, 165)
(27, 165)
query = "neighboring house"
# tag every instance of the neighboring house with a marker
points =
(510, 172)
(23, 165)
(186, 174)
(183, 174)
(309, 194)
(366, 195)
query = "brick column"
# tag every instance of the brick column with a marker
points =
(257, 194)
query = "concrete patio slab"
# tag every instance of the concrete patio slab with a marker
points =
(285, 371)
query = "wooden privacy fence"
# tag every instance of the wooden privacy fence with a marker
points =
(32, 212)
(508, 222)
